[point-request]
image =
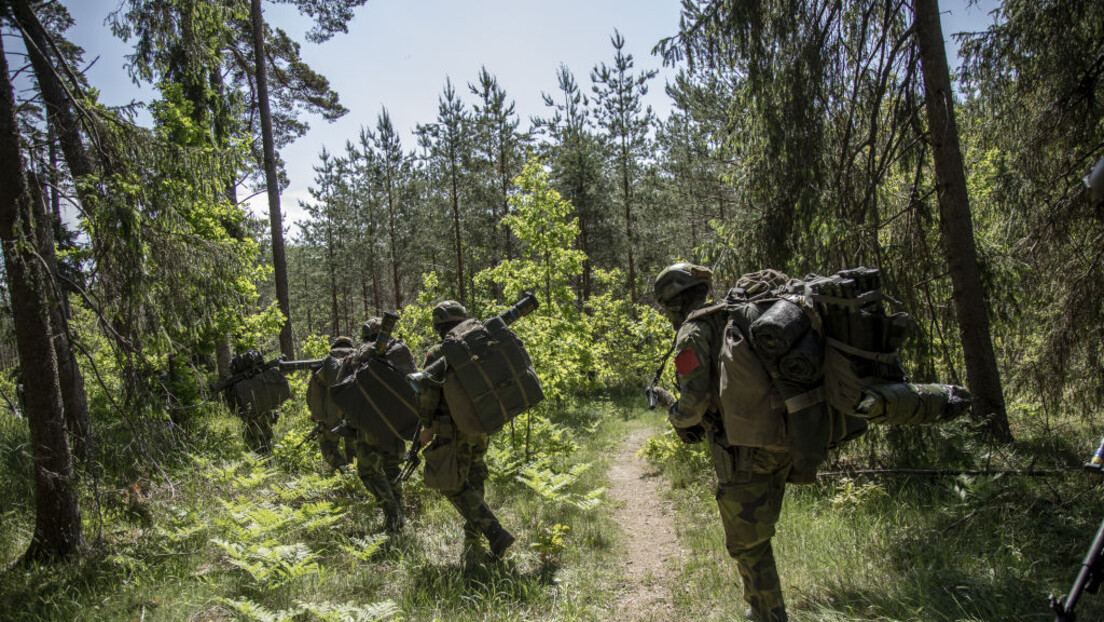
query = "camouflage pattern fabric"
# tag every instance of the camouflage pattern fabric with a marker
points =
(257, 429)
(468, 499)
(324, 412)
(751, 485)
(378, 467)
(751, 481)
(337, 450)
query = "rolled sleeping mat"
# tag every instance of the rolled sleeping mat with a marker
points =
(778, 329)
(804, 363)
(902, 403)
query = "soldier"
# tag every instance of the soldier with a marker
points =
(378, 459)
(439, 428)
(751, 480)
(256, 415)
(324, 412)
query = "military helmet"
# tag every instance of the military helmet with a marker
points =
(341, 342)
(370, 329)
(449, 312)
(678, 278)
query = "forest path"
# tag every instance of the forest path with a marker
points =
(652, 551)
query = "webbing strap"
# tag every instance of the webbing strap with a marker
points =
(486, 379)
(881, 357)
(391, 389)
(862, 299)
(377, 409)
(798, 403)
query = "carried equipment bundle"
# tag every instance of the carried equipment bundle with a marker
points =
(255, 385)
(487, 375)
(375, 396)
(805, 365)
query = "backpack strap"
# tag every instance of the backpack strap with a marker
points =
(880, 357)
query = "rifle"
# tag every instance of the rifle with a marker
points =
(313, 434)
(252, 370)
(1091, 574)
(650, 391)
(301, 365)
(412, 458)
(435, 372)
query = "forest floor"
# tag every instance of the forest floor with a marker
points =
(605, 532)
(647, 522)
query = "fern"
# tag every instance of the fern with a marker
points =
(553, 486)
(363, 549)
(270, 565)
(249, 610)
(349, 612)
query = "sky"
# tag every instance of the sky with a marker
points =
(398, 54)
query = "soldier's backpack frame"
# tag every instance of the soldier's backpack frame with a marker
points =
(490, 377)
(378, 400)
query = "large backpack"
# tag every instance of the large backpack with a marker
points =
(376, 397)
(804, 365)
(321, 405)
(261, 392)
(490, 377)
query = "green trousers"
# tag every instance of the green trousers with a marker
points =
(751, 485)
(378, 467)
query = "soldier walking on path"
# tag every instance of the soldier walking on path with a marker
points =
(377, 459)
(324, 412)
(751, 480)
(456, 458)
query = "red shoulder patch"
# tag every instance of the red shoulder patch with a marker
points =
(686, 362)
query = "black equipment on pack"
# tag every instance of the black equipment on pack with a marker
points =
(375, 397)
(1091, 574)
(250, 363)
(492, 379)
(303, 365)
(258, 385)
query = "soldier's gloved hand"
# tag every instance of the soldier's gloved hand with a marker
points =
(663, 398)
(691, 435)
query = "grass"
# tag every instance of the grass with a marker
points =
(235, 537)
(910, 549)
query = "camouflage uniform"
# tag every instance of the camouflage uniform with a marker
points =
(750, 481)
(324, 412)
(470, 449)
(257, 428)
(378, 460)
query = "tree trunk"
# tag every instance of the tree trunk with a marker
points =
(272, 181)
(456, 234)
(58, 111)
(74, 399)
(956, 226)
(57, 532)
(395, 277)
(64, 125)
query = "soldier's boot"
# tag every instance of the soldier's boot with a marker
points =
(499, 540)
(393, 519)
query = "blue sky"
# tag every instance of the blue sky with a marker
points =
(398, 54)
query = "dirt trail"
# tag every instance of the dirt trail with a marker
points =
(651, 542)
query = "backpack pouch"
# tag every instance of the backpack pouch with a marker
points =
(753, 411)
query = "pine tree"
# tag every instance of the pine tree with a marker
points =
(627, 123)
